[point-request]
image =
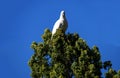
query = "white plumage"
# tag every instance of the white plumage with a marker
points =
(60, 23)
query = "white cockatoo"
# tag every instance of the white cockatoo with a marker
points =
(60, 23)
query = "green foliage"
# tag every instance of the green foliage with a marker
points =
(67, 55)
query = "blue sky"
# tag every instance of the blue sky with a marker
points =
(24, 21)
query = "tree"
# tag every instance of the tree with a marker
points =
(67, 56)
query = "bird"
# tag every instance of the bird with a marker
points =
(60, 23)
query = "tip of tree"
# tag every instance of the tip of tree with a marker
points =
(67, 55)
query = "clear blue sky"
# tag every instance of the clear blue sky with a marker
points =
(23, 21)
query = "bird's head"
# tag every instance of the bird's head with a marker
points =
(62, 13)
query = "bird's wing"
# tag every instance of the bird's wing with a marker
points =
(55, 27)
(59, 24)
